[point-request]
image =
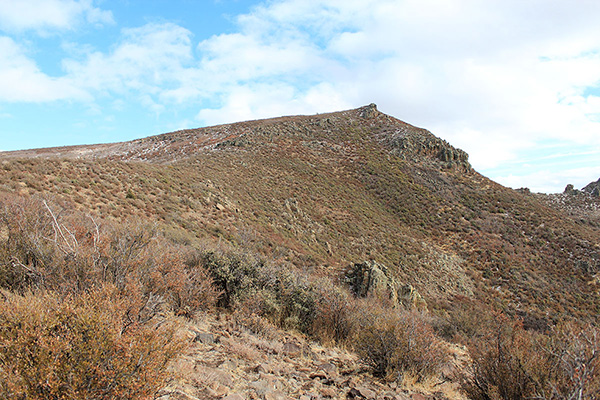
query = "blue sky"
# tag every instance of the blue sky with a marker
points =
(514, 83)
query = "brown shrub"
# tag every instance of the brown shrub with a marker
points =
(512, 363)
(500, 358)
(395, 341)
(45, 246)
(80, 347)
(462, 319)
(335, 314)
(574, 352)
(186, 285)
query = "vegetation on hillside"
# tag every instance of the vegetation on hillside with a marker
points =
(262, 220)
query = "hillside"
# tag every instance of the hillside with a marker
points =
(329, 190)
(329, 194)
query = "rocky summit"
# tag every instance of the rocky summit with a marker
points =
(338, 255)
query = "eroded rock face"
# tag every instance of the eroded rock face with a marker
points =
(593, 188)
(413, 144)
(370, 278)
(570, 190)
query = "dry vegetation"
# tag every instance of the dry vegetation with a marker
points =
(261, 220)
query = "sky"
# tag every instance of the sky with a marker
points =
(515, 83)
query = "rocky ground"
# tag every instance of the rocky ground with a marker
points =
(227, 360)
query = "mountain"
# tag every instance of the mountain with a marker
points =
(333, 194)
(329, 190)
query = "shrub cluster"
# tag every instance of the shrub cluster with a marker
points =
(398, 341)
(391, 341)
(86, 305)
(81, 347)
(47, 247)
(285, 296)
(512, 363)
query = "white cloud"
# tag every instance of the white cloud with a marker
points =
(45, 15)
(22, 81)
(148, 61)
(257, 101)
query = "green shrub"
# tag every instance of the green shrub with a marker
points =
(235, 275)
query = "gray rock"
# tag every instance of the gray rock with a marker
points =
(593, 188)
(328, 367)
(292, 349)
(361, 393)
(369, 112)
(205, 338)
(263, 368)
(371, 278)
(261, 387)
(570, 189)
(367, 393)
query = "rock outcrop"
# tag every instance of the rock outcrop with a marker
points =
(570, 190)
(369, 111)
(415, 143)
(372, 279)
(593, 188)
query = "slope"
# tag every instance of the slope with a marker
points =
(324, 192)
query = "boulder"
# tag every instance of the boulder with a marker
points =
(370, 278)
(361, 393)
(205, 338)
(570, 189)
(369, 112)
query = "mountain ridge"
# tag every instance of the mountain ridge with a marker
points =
(167, 147)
